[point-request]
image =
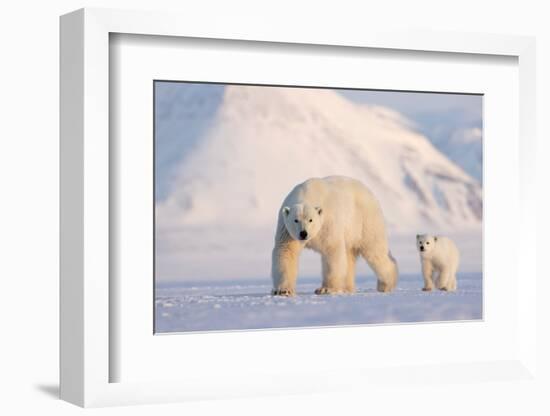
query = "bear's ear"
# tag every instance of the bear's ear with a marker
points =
(417, 236)
(286, 211)
(319, 210)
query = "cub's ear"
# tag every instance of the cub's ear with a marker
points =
(286, 211)
(319, 210)
(417, 236)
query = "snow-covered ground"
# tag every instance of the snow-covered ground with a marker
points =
(247, 304)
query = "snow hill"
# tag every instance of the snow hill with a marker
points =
(464, 148)
(228, 155)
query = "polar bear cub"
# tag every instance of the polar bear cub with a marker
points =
(339, 218)
(440, 258)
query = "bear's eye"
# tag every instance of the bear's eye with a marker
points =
(296, 221)
(310, 220)
(427, 242)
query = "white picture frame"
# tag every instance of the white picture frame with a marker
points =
(86, 304)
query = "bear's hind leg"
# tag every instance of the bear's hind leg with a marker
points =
(335, 269)
(446, 281)
(350, 275)
(385, 268)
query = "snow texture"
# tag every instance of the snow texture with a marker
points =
(239, 305)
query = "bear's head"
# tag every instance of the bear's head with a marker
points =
(425, 243)
(302, 221)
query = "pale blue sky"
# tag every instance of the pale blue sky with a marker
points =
(414, 103)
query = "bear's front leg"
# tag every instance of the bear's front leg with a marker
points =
(284, 267)
(335, 269)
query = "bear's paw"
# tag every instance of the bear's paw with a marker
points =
(283, 292)
(328, 291)
(383, 287)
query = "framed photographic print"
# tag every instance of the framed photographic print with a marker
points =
(399, 163)
(318, 202)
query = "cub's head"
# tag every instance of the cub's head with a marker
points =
(302, 221)
(425, 243)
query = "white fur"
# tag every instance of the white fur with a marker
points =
(343, 220)
(440, 259)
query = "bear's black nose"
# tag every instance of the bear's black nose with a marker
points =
(421, 248)
(303, 235)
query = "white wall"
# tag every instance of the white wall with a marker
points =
(29, 186)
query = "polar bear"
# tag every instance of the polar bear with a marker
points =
(440, 258)
(339, 218)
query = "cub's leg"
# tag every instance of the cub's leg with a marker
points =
(428, 272)
(335, 269)
(452, 284)
(445, 280)
(452, 281)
